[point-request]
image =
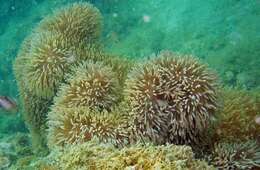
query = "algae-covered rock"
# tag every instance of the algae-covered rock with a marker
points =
(97, 156)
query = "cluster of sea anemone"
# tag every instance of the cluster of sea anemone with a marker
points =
(73, 92)
(62, 40)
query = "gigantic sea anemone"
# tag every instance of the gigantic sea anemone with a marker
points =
(48, 63)
(172, 98)
(79, 22)
(142, 88)
(90, 84)
(80, 124)
(236, 156)
(190, 91)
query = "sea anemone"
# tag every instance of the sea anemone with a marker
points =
(190, 91)
(90, 84)
(49, 61)
(119, 64)
(46, 55)
(79, 22)
(236, 117)
(49, 50)
(236, 156)
(80, 124)
(172, 98)
(142, 88)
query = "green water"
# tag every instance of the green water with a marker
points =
(224, 34)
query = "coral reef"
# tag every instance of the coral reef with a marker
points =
(171, 97)
(236, 117)
(80, 124)
(94, 155)
(89, 84)
(236, 156)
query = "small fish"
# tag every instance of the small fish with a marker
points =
(7, 104)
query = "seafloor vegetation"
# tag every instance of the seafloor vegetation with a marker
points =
(116, 98)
